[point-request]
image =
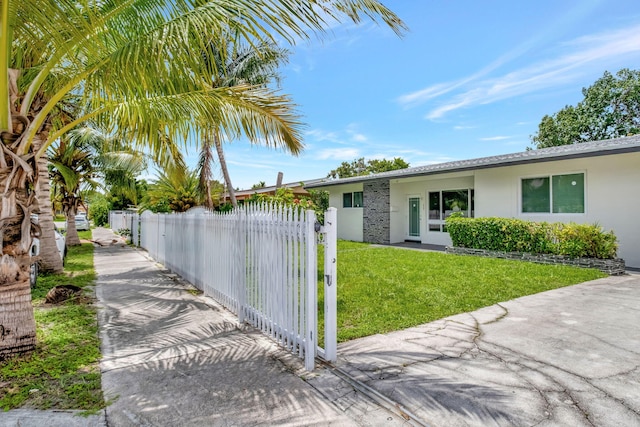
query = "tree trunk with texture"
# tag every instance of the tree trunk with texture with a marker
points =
(206, 158)
(225, 171)
(17, 321)
(50, 260)
(72, 233)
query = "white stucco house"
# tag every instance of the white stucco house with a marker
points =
(594, 182)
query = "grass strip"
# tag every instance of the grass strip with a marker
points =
(63, 372)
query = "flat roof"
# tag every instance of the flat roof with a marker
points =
(605, 147)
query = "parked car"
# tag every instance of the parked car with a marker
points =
(82, 223)
(33, 269)
(61, 243)
(35, 251)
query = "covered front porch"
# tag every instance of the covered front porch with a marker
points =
(419, 207)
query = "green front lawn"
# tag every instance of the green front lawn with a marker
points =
(382, 289)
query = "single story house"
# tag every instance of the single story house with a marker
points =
(593, 182)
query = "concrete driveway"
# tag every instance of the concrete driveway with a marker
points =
(567, 357)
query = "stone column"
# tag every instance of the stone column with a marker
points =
(376, 211)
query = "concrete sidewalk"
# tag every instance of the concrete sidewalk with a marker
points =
(175, 358)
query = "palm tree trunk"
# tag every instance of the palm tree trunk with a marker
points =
(72, 233)
(50, 260)
(225, 171)
(17, 321)
(208, 201)
(204, 164)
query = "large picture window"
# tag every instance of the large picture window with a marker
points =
(553, 194)
(443, 203)
(352, 200)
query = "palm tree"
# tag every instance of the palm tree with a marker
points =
(115, 162)
(177, 190)
(70, 167)
(107, 56)
(85, 157)
(239, 65)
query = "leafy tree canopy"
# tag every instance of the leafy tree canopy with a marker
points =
(610, 109)
(361, 167)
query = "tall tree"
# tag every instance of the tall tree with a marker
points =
(107, 55)
(610, 109)
(360, 167)
(70, 168)
(237, 65)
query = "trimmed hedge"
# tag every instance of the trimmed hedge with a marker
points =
(515, 235)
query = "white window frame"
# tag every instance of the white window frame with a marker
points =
(352, 200)
(550, 175)
(441, 221)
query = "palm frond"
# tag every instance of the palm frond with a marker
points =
(260, 114)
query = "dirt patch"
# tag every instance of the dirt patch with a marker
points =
(62, 293)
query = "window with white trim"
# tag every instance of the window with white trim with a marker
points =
(352, 200)
(443, 203)
(553, 194)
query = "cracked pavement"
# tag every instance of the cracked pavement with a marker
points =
(568, 357)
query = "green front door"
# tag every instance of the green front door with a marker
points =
(414, 216)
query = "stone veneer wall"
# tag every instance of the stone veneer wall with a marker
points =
(376, 211)
(612, 267)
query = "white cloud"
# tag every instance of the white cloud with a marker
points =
(338, 154)
(579, 57)
(423, 95)
(350, 133)
(355, 134)
(322, 135)
(495, 138)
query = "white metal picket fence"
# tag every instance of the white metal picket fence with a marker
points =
(126, 220)
(258, 261)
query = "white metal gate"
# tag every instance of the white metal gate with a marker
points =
(258, 261)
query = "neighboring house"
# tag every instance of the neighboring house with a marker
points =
(298, 189)
(594, 182)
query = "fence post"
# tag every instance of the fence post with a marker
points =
(312, 291)
(240, 260)
(331, 284)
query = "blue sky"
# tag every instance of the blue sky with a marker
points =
(469, 79)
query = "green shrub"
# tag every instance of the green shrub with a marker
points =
(99, 211)
(585, 240)
(515, 235)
